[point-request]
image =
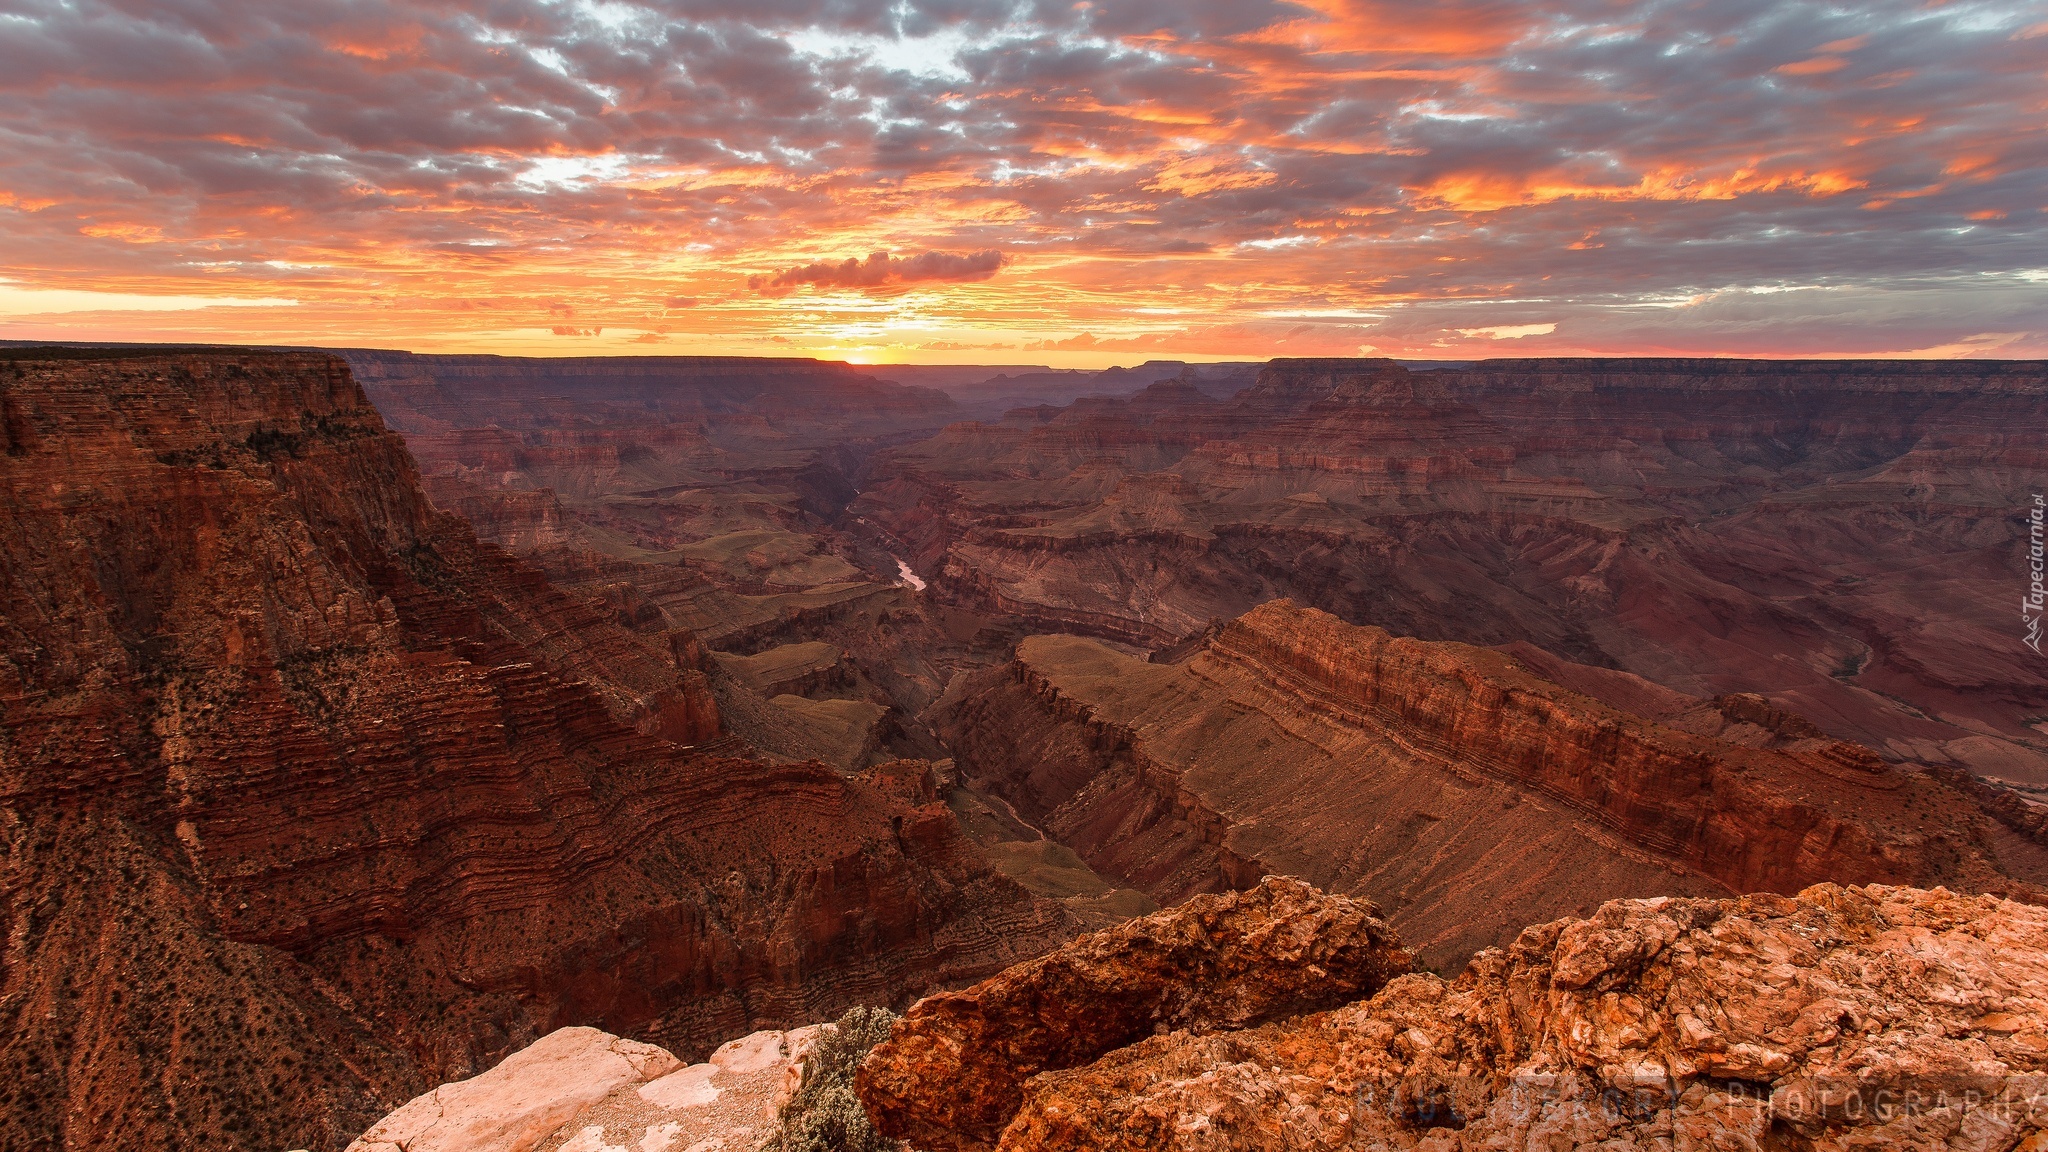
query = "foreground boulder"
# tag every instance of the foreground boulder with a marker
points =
(953, 1070)
(582, 1090)
(1873, 1017)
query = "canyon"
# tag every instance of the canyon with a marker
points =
(1621, 528)
(1451, 784)
(700, 495)
(1840, 537)
(314, 800)
(366, 719)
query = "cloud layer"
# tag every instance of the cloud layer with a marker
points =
(968, 179)
(881, 269)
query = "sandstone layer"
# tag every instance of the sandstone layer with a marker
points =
(312, 800)
(951, 1073)
(1842, 1018)
(1451, 784)
(1843, 538)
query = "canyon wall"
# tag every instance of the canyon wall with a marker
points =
(741, 393)
(1844, 538)
(705, 494)
(1451, 784)
(312, 800)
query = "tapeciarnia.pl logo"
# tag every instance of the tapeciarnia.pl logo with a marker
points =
(2031, 603)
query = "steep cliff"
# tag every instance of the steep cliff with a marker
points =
(1842, 1018)
(311, 800)
(1449, 783)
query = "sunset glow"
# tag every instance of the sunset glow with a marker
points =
(1075, 184)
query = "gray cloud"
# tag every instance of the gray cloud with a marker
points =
(880, 268)
(1580, 158)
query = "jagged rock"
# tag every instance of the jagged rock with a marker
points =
(951, 1072)
(1842, 1018)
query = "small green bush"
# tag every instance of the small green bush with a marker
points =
(825, 1116)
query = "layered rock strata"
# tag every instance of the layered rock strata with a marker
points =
(311, 800)
(1841, 537)
(1449, 783)
(1842, 1018)
(423, 393)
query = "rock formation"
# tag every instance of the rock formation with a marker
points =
(1840, 537)
(634, 457)
(582, 1090)
(1842, 1018)
(1451, 784)
(951, 1073)
(781, 393)
(312, 800)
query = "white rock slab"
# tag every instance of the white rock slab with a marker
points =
(523, 1101)
(582, 1090)
(688, 1088)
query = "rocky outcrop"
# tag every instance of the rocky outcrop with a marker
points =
(311, 800)
(1843, 1017)
(1705, 525)
(524, 1100)
(1448, 783)
(1729, 811)
(952, 1071)
(588, 1091)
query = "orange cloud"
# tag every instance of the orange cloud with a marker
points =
(1817, 66)
(1095, 182)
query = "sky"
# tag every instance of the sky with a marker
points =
(1076, 184)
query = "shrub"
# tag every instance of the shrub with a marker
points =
(825, 1116)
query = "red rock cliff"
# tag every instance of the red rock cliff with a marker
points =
(1841, 537)
(310, 801)
(1449, 783)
